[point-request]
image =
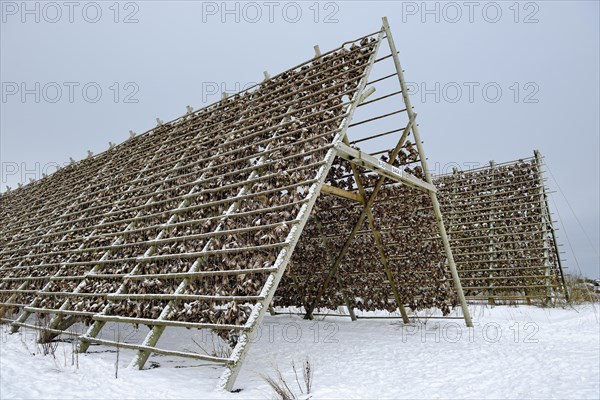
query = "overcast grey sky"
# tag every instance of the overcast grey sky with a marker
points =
(495, 80)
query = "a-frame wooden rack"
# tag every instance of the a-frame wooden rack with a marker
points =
(109, 267)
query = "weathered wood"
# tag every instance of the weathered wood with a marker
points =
(180, 324)
(25, 278)
(541, 267)
(232, 250)
(41, 310)
(503, 287)
(71, 294)
(10, 304)
(183, 275)
(175, 296)
(149, 349)
(504, 278)
(45, 330)
(344, 194)
(526, 298)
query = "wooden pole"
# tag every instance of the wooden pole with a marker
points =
(491, 241)
(548, 224)
(432, 195)
(344, 194)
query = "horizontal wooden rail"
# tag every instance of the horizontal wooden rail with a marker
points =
(162, 322)
(155, 350)
(233, 250)
(45, 330)
(191, 297)
(70, 294)
(201, 274)
(493, 287)
(506, 278)
(41, 310)
(523, 298)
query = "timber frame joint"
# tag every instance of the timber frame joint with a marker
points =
(382, 168)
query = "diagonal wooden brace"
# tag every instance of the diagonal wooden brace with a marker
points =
(379, 244)
(344, 194)
(361, 218)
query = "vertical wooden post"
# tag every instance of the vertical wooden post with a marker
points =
(545, 235)
(432, 195)
(317, 51)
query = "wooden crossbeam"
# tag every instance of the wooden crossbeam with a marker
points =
(383, 168)
(54, 332)
(41, 310)
(344, 194)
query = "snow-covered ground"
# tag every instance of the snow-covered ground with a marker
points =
(513, 352)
